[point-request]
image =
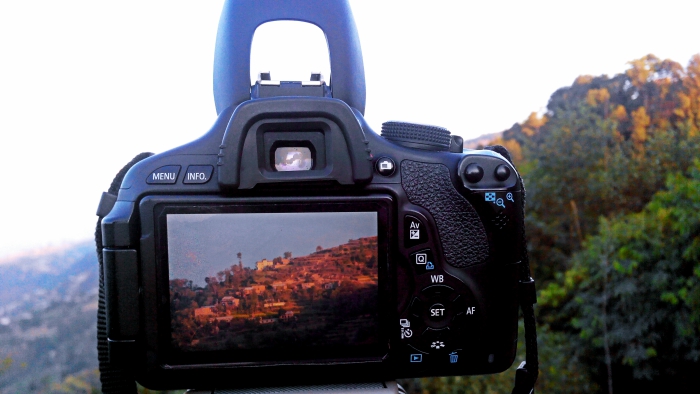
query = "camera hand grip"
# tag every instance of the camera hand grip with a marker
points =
(238, 22)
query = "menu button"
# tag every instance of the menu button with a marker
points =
(164, 175)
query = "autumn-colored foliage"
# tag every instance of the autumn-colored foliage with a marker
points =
(607, 235)
(613, 194)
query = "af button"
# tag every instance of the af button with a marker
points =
(467, 316)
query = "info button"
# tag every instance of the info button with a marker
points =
(198, 174)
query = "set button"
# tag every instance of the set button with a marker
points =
(439, 314)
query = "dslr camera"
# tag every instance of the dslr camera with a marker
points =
(292, 244)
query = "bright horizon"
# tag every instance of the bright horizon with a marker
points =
(85, 86)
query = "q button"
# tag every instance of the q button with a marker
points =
(423, 262)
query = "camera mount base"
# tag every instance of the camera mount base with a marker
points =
(356, 388)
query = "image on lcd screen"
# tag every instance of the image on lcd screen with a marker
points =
(280, 281)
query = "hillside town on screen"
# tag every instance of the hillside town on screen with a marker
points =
(326, 298)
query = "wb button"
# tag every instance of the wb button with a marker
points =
(415, 232)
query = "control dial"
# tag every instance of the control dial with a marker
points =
(418, 136)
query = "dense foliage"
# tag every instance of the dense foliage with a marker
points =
(613, 180)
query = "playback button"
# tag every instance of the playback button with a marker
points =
(415, 232)
(416, 358)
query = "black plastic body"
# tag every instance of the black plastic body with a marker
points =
(239, 19)
(456, 315)
(475, 245)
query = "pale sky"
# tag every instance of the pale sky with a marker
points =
(87, 85)
(200, 245)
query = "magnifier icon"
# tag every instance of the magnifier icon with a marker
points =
(509, 197)
(499, 202)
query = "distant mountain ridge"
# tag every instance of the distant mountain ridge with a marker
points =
(47, 271)
(48, 316)
(481, 141)
(35, 256)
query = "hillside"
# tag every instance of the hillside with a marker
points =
(48, 307)
(303, 300)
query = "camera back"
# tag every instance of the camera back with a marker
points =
(292, 241)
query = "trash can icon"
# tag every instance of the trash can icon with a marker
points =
(453, 357)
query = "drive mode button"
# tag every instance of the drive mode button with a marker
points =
(164, 175)
(198, 174)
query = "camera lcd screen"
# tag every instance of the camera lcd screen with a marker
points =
(276, 283)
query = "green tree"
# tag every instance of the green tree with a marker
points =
(632, 295)
(571, 159)
(5, 364)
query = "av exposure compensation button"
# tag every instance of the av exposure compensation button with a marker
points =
(164, 175)
(415, 232)
(198, 174)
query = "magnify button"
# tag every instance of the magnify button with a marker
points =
(509, 197)
(499, 202)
